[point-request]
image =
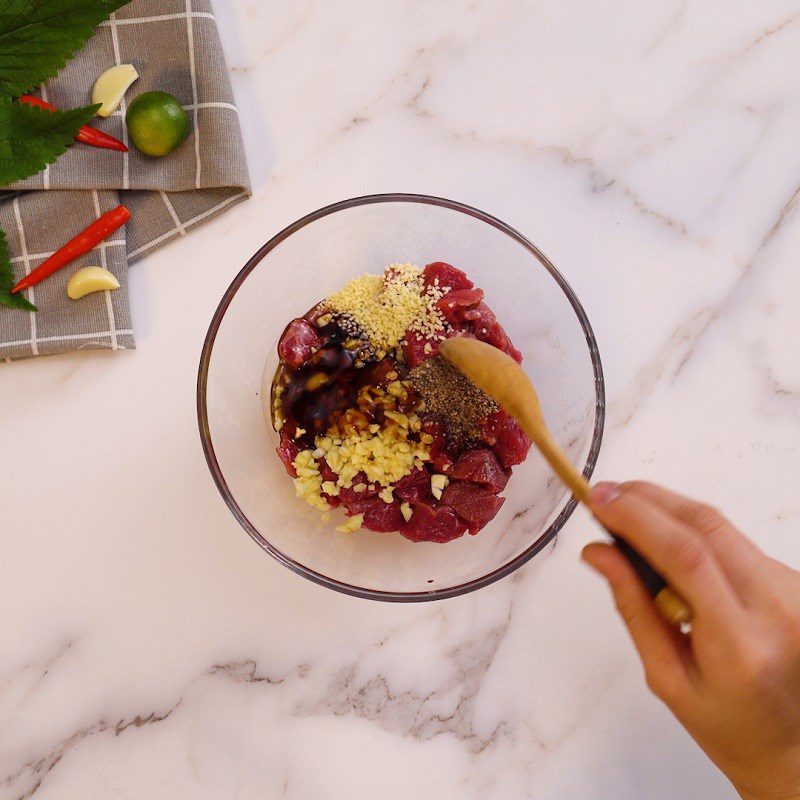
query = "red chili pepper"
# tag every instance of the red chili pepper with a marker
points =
(101, 228)
(86, 134)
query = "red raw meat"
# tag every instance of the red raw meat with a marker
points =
(414, 486)
(432, 524)
(287, 451)
(482, 318)
(449, 276)
(482, 321)
(381, 370)
(461, 297)
(350, 497)
(513, 352)
(507, 439)
(298, 342)
(440, 459)
(434, 428)
(473, 504)
(441, 462)
(452, 305)
(317, 312)
(481, 466)
(333, 502)
(414, 345)
(327, 473)
(378, 516)
(414, 348)
(499, 338)
(464, 333)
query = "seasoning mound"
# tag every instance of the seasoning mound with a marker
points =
(453, 398)
(384, 307)
(374, 422)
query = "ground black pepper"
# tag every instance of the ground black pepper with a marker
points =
(451, 396)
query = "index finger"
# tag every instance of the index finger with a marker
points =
(682, 556)
(736, 554)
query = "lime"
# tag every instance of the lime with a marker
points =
(157, 123)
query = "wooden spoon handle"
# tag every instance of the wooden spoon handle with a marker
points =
(504, 380)
(561, 465)
(672, 607)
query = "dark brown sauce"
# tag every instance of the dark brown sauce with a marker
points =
(314, 396)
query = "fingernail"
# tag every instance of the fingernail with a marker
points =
(604, 492)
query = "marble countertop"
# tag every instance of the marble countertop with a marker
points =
(151, 650)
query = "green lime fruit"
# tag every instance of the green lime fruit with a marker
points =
(157, 123)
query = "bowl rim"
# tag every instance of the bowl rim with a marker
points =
(205, 432)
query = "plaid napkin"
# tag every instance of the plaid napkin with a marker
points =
(175, 47)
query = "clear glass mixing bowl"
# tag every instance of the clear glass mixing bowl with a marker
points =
(309, 260)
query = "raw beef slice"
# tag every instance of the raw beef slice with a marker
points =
(432, 524)
(298, 342)
(473, 504)
(481, 466)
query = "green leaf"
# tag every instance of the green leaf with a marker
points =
(31, 138)
(7, 281)
(37, 37)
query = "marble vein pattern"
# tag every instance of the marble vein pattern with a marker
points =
(150, 650)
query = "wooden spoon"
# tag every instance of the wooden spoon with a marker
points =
(499, 376)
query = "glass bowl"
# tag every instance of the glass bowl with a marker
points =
(308, 261)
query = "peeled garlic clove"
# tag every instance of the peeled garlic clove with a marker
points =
(90, 279)
(111, 86)
(352, 525)
(438, 485)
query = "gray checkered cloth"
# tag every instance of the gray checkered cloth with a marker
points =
(175, 47)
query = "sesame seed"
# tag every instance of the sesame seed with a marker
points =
(381, 308)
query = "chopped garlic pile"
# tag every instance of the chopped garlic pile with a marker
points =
(386, 306)
(384, 454)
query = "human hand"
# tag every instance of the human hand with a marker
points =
(734, 681)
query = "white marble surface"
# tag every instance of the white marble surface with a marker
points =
(150, 650)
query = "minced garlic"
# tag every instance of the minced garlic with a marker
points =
(352, 525)
(386, 306)
(387, 495)
(438, 485)
(384, 457)
(308, 483)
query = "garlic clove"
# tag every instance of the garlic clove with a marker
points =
(352, 525)
(111, 86)
(438, 485)
(90, 279)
